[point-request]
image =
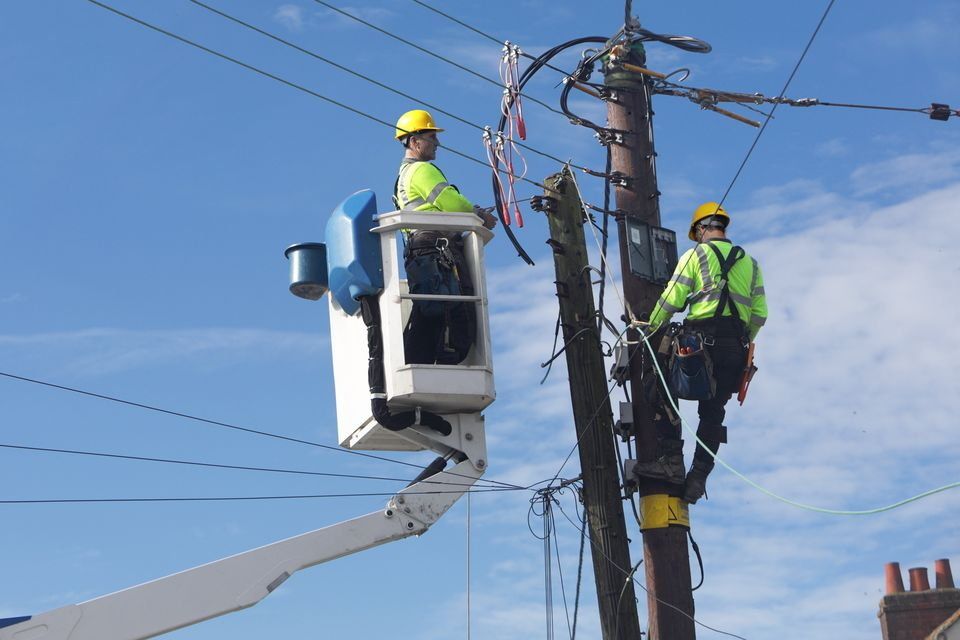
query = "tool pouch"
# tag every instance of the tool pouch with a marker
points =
(691, 369)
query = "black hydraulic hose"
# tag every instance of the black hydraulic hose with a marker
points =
(432, 469)
(370, 310)
(564, 96)
(528, 73)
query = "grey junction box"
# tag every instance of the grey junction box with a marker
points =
(652, 251)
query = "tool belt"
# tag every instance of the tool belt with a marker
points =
(689, 366)
(432, 269)
(427, 240)
(723, 330)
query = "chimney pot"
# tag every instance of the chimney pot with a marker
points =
(941, 569)
(894, 579)
(918, 579)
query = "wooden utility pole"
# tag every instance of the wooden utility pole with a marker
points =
(666, 558)
(591, 410)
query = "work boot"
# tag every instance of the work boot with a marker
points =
(695, 486)
(668, 465)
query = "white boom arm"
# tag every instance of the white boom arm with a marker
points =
(242, 580)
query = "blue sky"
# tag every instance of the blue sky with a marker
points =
(148, 191)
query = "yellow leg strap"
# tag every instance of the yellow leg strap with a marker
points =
(660, 510)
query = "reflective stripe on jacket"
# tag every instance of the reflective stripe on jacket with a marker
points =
(421, 186)
(694, 283)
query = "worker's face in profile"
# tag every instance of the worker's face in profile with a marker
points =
(426, 145)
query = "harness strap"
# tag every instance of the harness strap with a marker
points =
(725, 265)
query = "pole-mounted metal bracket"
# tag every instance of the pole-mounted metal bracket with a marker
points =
(620, 179)
(544, 203)
(608, 137)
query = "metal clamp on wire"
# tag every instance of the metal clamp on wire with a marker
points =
(940, 112)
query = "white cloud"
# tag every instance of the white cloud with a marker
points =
(373, 15)
(290, 16)
(833, 148)
(13, 297)
(106, 350)
(757, 63)
(915, 171)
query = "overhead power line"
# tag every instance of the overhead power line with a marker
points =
(709, 98)
(240, 498)
(429, 52)
(366, 78)
(780, 97)
(281, 80)
(227, 425)
(482, 33)
(193, 463)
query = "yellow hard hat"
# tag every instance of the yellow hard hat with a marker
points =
(706, 210)
(414, 122)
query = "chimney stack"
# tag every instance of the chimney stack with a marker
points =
(894, 578)
(919, 580)
(914, 614)
(944, 575)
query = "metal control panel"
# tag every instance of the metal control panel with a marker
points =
(652, 251)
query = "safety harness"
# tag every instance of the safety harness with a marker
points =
(690, 365)
(723, 283)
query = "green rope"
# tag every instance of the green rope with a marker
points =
(794, 503)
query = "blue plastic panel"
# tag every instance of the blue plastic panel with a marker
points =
(9, 622)
(354, 260)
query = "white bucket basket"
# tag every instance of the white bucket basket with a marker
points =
(465, 388)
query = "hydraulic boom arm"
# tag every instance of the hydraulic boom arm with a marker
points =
(242, 580)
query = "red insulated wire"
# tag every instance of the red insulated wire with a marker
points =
(493, 158)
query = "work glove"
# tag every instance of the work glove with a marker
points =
(485, 214)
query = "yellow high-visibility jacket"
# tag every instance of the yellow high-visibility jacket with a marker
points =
(694, 283)
(421, 186)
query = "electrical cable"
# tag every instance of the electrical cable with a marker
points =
(762, 489)
(557, 354)
(227, 425)
(710, 97)
(357, 74)
(780, 97)
(605, 232)
(239, 498)
(601, 246)
(576, 600)
(696, 550)
(593, 419)
(194, 463)
(626, 572)
(556, 337)
(528, 73)
(279, 79)
(426, 51)
(623, 590)
(563, 589)
(481, 33)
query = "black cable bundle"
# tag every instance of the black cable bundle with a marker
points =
(370, 310)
